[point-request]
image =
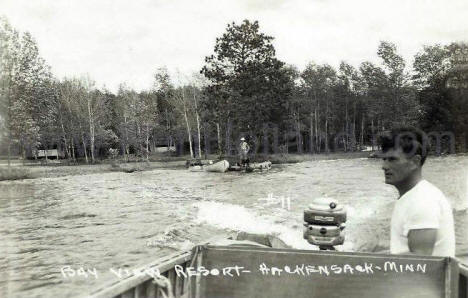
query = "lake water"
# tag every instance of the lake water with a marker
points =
(124, 220)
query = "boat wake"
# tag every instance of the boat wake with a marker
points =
(240, 219)
(174, 237)
(287, 226)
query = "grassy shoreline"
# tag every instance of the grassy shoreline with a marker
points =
(35, 169)
(58, 170)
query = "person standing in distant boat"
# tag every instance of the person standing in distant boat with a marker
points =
(422, 219)
(244, 149)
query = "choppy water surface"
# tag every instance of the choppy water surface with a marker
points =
(121, 220)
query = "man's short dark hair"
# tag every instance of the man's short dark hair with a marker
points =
(411, 140)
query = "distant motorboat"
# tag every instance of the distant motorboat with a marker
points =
(223, 166)
(262, 166)
(210, 166)
(218, 167)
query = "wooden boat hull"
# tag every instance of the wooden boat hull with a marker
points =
(274, 273)
(218, 167)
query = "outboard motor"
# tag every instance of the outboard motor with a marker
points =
(324, 222)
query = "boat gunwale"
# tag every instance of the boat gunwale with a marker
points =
(167, 263)
(123, 285)
(463, 268)
(163, 264)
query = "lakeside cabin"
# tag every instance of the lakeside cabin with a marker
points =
(47, 153)
(163, 149)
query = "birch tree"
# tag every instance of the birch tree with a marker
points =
(181, 102)
(9, 56)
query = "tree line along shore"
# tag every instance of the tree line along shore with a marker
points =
(243, 90)
(32, 169)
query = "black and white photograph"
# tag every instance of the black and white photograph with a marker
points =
(234, 148)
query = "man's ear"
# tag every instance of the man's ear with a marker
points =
(416, 159)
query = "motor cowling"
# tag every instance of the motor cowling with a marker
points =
(324, 220)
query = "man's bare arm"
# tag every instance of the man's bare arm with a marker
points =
(422, 241)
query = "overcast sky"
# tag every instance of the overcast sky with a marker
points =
(118, 41)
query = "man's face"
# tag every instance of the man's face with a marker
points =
(398, 167)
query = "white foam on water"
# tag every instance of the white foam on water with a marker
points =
(239, 218)
(234, 217)
(360, 213)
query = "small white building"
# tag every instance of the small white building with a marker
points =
(165, 149)
(50, 153)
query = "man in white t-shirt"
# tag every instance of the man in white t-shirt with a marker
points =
(422, 220)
